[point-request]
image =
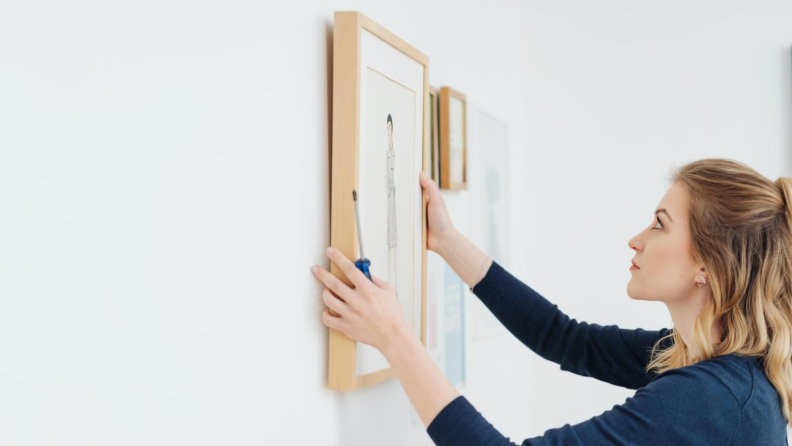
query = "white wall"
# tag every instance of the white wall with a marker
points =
(164, 191)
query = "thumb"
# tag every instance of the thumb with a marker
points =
(428, 184)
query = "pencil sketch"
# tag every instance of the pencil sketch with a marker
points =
(390, 185)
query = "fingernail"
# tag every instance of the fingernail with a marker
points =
(330, 251)
(314, 269)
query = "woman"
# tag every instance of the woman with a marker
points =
(719, 255)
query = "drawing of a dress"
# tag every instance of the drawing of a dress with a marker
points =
(390, 181)
(391, 184)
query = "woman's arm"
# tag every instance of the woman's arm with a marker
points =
(370, 312)
(682, 407)
(424, 383)
(469, 262)
(609, 353)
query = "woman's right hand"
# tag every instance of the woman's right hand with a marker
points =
(439, 225)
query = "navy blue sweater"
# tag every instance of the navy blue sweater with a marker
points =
(723, 401)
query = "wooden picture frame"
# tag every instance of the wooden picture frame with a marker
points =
(353, 45)
(456, 180)
(434, 101)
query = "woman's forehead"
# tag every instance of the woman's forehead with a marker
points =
(674, 202)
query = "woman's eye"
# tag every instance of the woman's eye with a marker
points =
(658, 222)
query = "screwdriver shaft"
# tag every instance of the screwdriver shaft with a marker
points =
(357, 220)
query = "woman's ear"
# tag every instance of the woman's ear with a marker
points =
(701, 276)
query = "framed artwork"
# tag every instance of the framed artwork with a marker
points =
(380, 144)
(434, 100)
(453, 140)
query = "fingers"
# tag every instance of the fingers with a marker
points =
(334, 303)
(350, 270)
(332, 321)
(335, 284)
(381, 283)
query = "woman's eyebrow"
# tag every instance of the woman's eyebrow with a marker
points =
(665, 212)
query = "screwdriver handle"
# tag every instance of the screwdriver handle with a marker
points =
(363, 265)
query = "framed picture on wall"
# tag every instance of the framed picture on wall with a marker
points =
(380, 144)
(453, 140)
(434, 100)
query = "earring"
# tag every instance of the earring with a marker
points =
(704, 279)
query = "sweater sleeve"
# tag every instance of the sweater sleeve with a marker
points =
(682, 407)
(608, 353)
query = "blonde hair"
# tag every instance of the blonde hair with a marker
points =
(741, 227)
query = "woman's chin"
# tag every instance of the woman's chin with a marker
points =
(637, 295)
(638, 298)
(633, 294)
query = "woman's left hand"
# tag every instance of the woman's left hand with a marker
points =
(370, 312)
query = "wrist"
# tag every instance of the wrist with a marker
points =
(399, 340)
(445, 241)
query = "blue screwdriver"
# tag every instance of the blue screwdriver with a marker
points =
(362, 263)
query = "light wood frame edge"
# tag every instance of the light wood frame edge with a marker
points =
(446, 93)
(435, 134)
(346, 115)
